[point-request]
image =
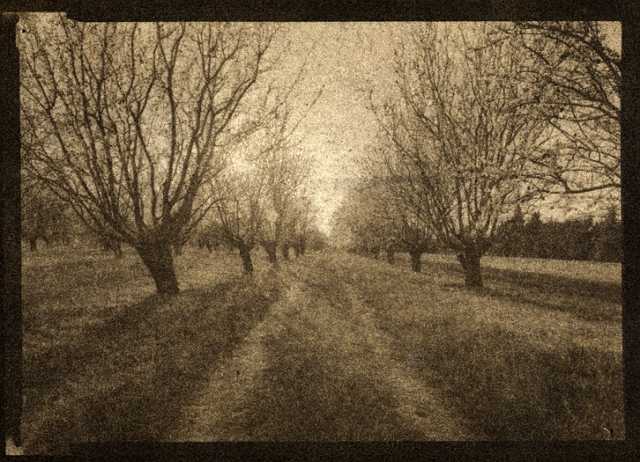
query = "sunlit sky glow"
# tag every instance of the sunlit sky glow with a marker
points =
(347, 60)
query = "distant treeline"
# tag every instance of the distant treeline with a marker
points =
(577, 239)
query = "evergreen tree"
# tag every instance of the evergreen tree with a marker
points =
(608, 238)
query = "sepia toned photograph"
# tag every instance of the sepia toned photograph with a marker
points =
(319, 232)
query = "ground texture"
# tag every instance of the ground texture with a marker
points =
(326, 347)
(317, 369)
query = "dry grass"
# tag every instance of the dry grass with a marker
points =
(572, 269)
(107, 360)
(525, 358)
(330, 376)
(536, 354)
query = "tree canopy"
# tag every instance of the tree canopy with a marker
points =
(130, 123)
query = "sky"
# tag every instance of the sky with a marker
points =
(346, 60)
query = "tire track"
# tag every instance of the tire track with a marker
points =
(218, 412)
(317, 369)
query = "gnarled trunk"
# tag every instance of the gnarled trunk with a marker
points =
(247, 264)
(117, 249)
(271, 249)
(391, 256)
(158, 259)
(416, 262)
(469, 258)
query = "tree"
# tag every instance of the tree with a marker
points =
(458, 141)
(533, 232)
(298, 225)
(364, 214)
(132, 122)
(574, 70)
(608, 238)
(317, 239)
(239, 215)
(284, 172)
(44, 216)
(509, 240)
(378, 221)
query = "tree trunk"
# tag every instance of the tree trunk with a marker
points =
(245, 254)
(272, 256)
(416, 263)
(159, 261)
(117, 249)
(469, 258)
(285, 252)
(391, 256)
(376, 252)
(300, 247)
(33, 244)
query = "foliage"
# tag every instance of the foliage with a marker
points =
(575, 239)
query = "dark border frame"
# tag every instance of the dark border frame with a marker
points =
(626, 11)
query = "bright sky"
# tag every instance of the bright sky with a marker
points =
(348, 59)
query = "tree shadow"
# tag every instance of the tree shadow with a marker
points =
(127, 377)
(587, 300)
(306, 396)
(509, 390)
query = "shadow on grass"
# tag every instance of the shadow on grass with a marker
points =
(539, 289)
(505, 386)
(513, 391)
(127, 377)
(305, 396)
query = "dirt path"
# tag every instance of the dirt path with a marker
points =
(317, 369)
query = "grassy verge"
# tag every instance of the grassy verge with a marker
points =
(107, 360)
(528, 357)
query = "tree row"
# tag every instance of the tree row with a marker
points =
(152, 133)
(485, 118)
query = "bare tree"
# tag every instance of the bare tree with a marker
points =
(458, 139)
(284, 172)
(299, 223)
(379, 221)
(240, 215)
(132, 122)
(574, 80)
(43, 216)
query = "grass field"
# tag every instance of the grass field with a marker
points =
(106, 359)
(536, 354)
